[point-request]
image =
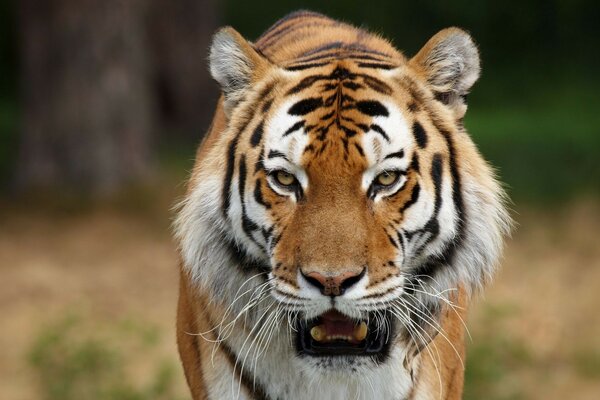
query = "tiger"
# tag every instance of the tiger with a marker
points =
(338, 219)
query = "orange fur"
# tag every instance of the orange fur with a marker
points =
(334, 228)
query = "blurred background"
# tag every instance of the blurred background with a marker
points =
(102, 104)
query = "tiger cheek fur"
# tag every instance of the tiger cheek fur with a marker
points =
(337, 220)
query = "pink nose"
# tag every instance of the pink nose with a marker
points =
(333, 285)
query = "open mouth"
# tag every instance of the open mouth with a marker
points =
(334, 334)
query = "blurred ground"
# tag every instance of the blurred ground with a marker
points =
(536, 334)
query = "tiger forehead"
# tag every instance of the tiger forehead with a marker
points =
(340, 99)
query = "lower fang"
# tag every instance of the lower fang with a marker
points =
(360, 331)
(317, 333)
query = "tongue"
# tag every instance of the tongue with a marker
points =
(336, 323)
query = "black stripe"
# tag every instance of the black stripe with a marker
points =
(413, 107)
(372, 108)
(414, 164)
(258, 195)
(449, 254)
(305, 106)
(275, 154)
(392, 240)
(305, 83)
(420, 134)
(294, 128)
(226, 193)
(275, 31)
(300, 67)
(398, 154)
(414, 197)
(349, 132)
(257, 135)
(272, 41)
(267, 106)
(326, 46)
(240, 257)
(437, 170)
(359, 149)
(266, 91)
(376, 65)
(432, 227)
(248, 225)
(254, 388)
(322, 56)
(401, 241)
(379, 130)
(376, 84)
(352, 85)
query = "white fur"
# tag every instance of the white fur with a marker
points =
(201, 230)
(453, 63)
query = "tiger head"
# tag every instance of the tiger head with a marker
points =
(342, 187)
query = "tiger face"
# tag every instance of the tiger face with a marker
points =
(347, 190)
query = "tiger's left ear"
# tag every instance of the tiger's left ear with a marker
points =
(235, 65)
(450, 64)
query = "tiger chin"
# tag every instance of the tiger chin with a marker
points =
(338, 218)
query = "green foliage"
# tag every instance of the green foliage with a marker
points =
(587, 363)
(71, 363)
(494, 361)
(543, 138)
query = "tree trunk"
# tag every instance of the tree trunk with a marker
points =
(180, 33)
(86, 101)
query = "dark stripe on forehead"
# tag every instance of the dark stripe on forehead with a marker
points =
(324, 47)
(305, 83)
(376, 65)
(352, 85)
(419, 134)
(305, 106)
(372, 108)
(290, 23)
(377, 85)
(300, 67)
(342, 74)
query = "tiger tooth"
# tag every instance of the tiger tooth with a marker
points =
(360, 331)
(317, 333)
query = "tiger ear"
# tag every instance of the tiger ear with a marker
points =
(235, 65)
(450, 64)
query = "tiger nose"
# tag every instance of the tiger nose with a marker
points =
(333, 285)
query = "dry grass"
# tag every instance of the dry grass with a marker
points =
(537, 331)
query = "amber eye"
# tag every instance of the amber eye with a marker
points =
(284, 178)
(387, 178)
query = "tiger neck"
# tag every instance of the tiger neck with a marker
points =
(278, 374)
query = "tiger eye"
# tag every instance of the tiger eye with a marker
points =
(284, 178)
(387, 178)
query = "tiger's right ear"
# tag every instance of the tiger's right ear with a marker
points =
(235, 65)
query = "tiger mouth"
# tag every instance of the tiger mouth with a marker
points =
(334, 334)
